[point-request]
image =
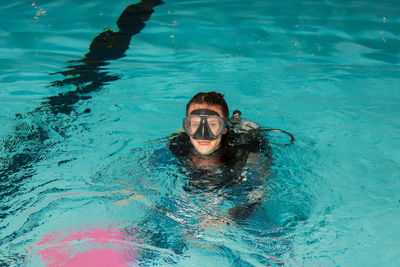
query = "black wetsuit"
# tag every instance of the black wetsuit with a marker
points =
(230, 159)
(229, 170)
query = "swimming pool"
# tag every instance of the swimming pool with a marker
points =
(78, 180)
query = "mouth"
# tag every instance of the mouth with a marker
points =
(204, 142)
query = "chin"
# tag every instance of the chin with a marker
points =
(205, 151)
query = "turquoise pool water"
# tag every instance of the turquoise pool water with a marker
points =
(78, 175)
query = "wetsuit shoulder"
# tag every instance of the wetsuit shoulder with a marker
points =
(251, 141)
(180, 144)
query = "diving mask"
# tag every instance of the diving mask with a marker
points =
(204, 124)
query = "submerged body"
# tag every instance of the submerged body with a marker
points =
(221, 177)
(238, 168)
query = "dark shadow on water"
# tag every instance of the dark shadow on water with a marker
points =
(89, 73)
(31, 141)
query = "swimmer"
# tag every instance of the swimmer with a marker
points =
(217, 157)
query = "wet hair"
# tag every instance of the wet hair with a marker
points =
(210, 99)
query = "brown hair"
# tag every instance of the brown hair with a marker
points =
(210, 99)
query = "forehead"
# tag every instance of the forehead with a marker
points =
(215, 108)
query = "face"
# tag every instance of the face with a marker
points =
(206, 147)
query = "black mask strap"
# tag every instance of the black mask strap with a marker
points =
(205, 112)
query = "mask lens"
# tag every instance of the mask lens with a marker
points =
(215, 124)
(193, 123)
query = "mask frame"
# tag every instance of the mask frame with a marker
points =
(203, 131)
